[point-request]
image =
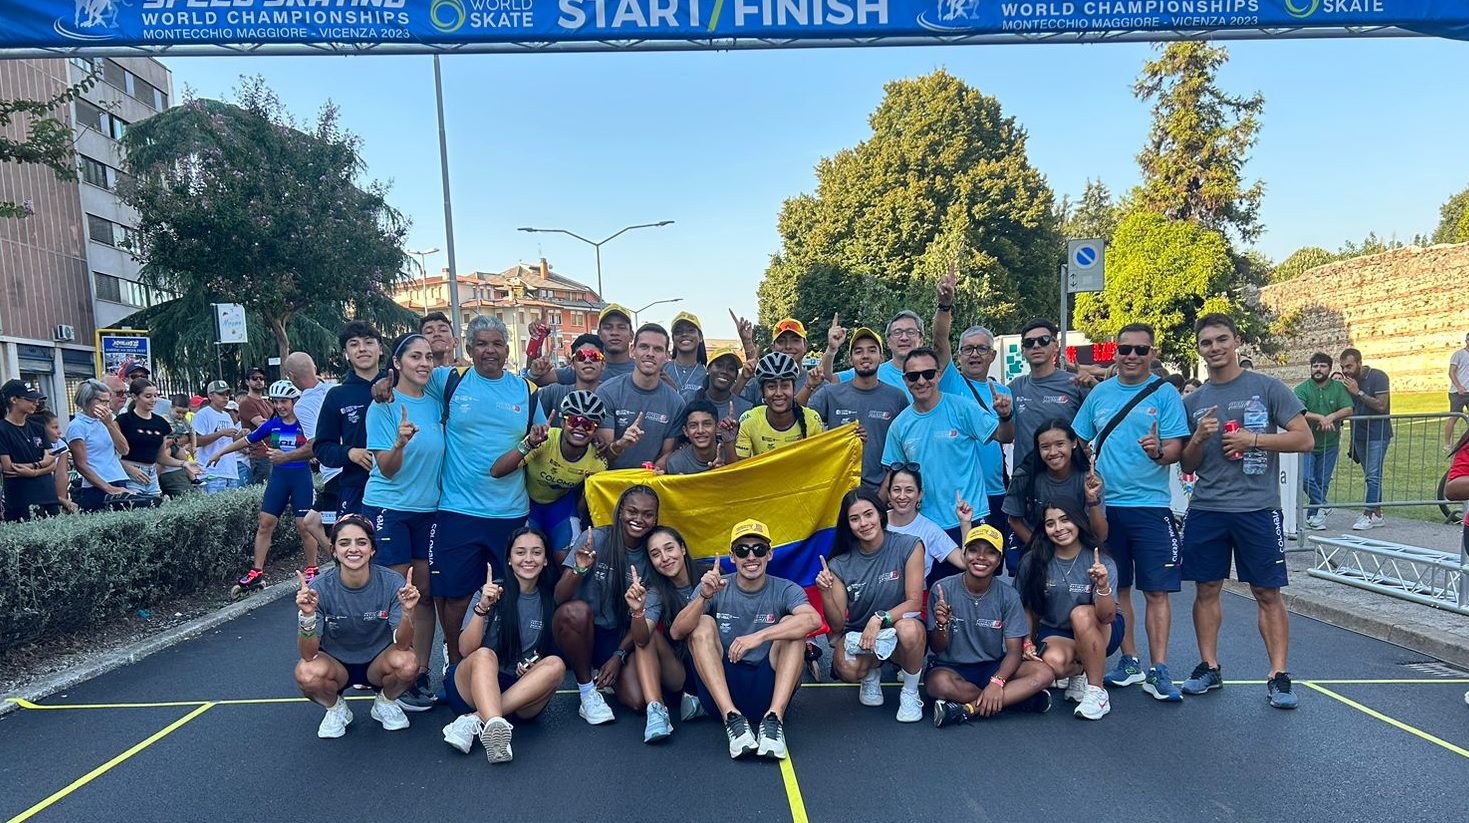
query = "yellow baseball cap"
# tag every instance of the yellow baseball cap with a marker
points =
(988, 534)
(614, 308)
(687, 317)
(727, 351)
(790, 324)
(749, 528)
(861, 332)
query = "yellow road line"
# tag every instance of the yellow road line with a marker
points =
(26, 704)
(105, 767)
(1388, 682)
(1416, 732)
(793, 790)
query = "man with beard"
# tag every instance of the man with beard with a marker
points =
(865, 399)
(904, 333)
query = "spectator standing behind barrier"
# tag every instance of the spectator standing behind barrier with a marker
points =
(1327, 404)
(255, 410)
(215, 431)
(145, 433)
(1234, 515)
(117, 393)
(25, 457)
(1458, 489)
(1047, 392)
(95, 444)
(1370, 396)
(1458, 392)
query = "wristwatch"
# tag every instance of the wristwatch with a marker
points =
(621, 655)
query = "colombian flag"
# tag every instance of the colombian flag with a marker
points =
(795, 490)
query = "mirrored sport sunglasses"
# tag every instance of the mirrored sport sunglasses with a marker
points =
(915, 376)
(743, 550)
(1039, 341)
(586, 424)
(588, 356)
(1127, 349)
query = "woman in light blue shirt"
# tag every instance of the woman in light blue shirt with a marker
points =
(96, 445)
(406, 438)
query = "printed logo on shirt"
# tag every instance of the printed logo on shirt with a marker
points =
(353, 414)
(878, 414)
(894, 574)
(768, 618)
(513, 408)
(854, 590)
(535, 624)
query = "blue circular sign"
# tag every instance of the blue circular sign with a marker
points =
(1086, 257)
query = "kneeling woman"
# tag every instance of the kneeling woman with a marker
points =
(976, 626)
(664, 665)
(873, 580)
(507, 666)
(356, 627)
(592, 622)
(1074, 622)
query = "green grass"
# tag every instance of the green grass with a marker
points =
(1415, 460)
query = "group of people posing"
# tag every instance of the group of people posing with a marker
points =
(460, 505)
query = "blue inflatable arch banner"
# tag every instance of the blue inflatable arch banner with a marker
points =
(52, 27)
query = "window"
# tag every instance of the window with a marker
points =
(91, 116)
(578, 319)
(96, 173)
(126, 292)
(115, 74)
(553, 318)
(160, 100)
(99, 230)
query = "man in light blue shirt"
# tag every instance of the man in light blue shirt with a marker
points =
(942, 436)
(1133, 460)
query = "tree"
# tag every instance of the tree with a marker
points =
(1300, 261)
(1200, 139)
(1453, 224)
(47, 141)
(239, 203)
(1166, 273)
(1095, 215)
(943, 177)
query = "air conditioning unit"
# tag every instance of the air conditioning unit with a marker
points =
(65, 333)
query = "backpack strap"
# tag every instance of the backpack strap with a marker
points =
(1122, 414)
(456, 376)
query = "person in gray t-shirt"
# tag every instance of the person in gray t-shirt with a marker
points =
(703, 444)
(652, 411)
(1247, 480)
(975, 628)
(874, 408)
(1038, 399)
(355, 626)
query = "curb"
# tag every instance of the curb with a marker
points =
(104, 662)
(1449, 648)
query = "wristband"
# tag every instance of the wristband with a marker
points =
(999, 680)
(523, 448)
(638, 615)
(1092, 504)
(1100, 593)
(306, 621)
(307, 634)
(1007, 418)
(481, 613)
(579, 571)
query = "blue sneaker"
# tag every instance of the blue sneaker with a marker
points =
(1204, 679)
(1127, 673)
(1160, 685)
(1278, 690)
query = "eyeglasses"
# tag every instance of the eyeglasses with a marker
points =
(975, 349)
(588, 356)
(915, 376)
(1126, 349)
(905, 333)
(586, 424)
(1040, 341)
(743, 550)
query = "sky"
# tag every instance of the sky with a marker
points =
(1359, 136)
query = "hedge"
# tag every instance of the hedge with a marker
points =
(69, 573)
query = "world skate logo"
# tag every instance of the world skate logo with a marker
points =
(92, 20)
(951, 15)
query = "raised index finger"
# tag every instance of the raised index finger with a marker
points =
(405, 413)
(408, 581)
(638, 422)
(824, 567)
(1096, 556)
(301, 577)
(634, 570)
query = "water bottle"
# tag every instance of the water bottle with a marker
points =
(1257, 419)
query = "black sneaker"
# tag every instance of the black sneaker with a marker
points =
(1278, 689)
(772, 738)
(417, 698)
(741, 739)
(948, 713)
(1038, 703)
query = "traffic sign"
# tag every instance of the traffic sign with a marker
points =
(1085, 265)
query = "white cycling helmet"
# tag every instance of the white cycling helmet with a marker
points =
(585, 404)
(283, 390)
(776, 366)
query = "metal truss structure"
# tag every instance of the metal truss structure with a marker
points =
(1433, 578)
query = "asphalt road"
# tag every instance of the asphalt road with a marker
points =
(107, 750)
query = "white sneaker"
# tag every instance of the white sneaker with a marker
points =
(335, 724)
(910, 706)
(869, 689)
(1061, 684)
(496, 738)
(1095, 705)
(1466, 697)
(1316, 523)
(1363, 523)
(690, 708)
(1377, 521)
(388, 713)
(594, 709)
(461, 733)
(1076, 689)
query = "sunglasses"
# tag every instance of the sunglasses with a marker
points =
(586, 424)
(588, 356)
(911, 468)
(743, 550)
(1126, 349)
(1040, 341)
(915, 376)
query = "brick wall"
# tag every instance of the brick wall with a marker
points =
(1404, 309)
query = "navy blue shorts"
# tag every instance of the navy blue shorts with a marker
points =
(1113, 643)
(1255, 540)
(559, 520)
(456, 700)
(605, 643)
(751, 689)
(288, 485)
(402, 537)
(459, 548)
(977, 673)
(1145, 547)
(357, 672)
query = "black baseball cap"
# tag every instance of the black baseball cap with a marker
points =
(588, 340)
(257, 370)
(15, 388)
(139, 367)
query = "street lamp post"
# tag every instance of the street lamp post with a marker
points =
(597, 244)
(424, 271)
(651, 305)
